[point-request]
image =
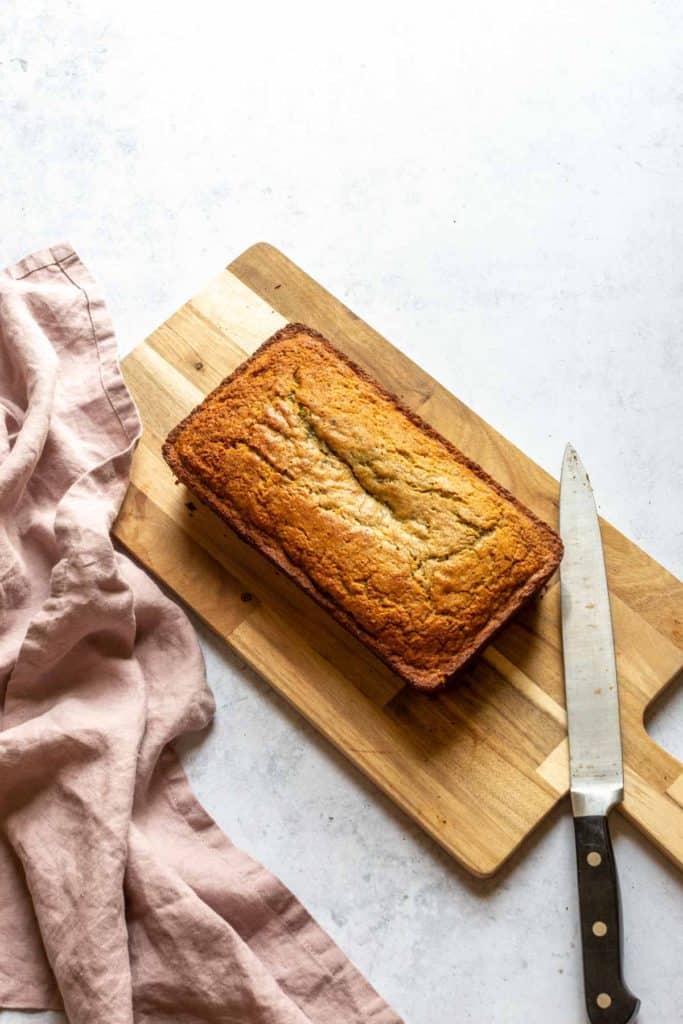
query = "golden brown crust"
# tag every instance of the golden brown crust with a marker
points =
(387, 525)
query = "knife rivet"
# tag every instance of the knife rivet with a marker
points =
(594, 859)
(604, 1001)
(599, 928)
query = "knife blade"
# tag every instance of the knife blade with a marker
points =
(595, 755)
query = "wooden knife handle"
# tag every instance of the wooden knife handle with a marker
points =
(608, 1000)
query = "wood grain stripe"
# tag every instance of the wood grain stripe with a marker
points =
(521, 682)
(675, 791)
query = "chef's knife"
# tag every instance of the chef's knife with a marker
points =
(596, 765)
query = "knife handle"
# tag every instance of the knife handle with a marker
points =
(608, 999)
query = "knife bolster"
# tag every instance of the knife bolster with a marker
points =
(595, 799)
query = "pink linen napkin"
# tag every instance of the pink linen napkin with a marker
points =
(120, 899)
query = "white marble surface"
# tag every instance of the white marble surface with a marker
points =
(497, 188)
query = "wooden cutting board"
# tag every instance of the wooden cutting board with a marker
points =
(477, 767)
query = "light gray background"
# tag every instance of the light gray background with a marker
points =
(497, 187)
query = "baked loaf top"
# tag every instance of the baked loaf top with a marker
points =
(382, 521)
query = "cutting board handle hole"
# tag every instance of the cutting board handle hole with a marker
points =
(664, 719)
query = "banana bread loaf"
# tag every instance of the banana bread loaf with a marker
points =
(405, 541)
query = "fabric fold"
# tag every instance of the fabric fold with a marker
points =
(120, 899)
